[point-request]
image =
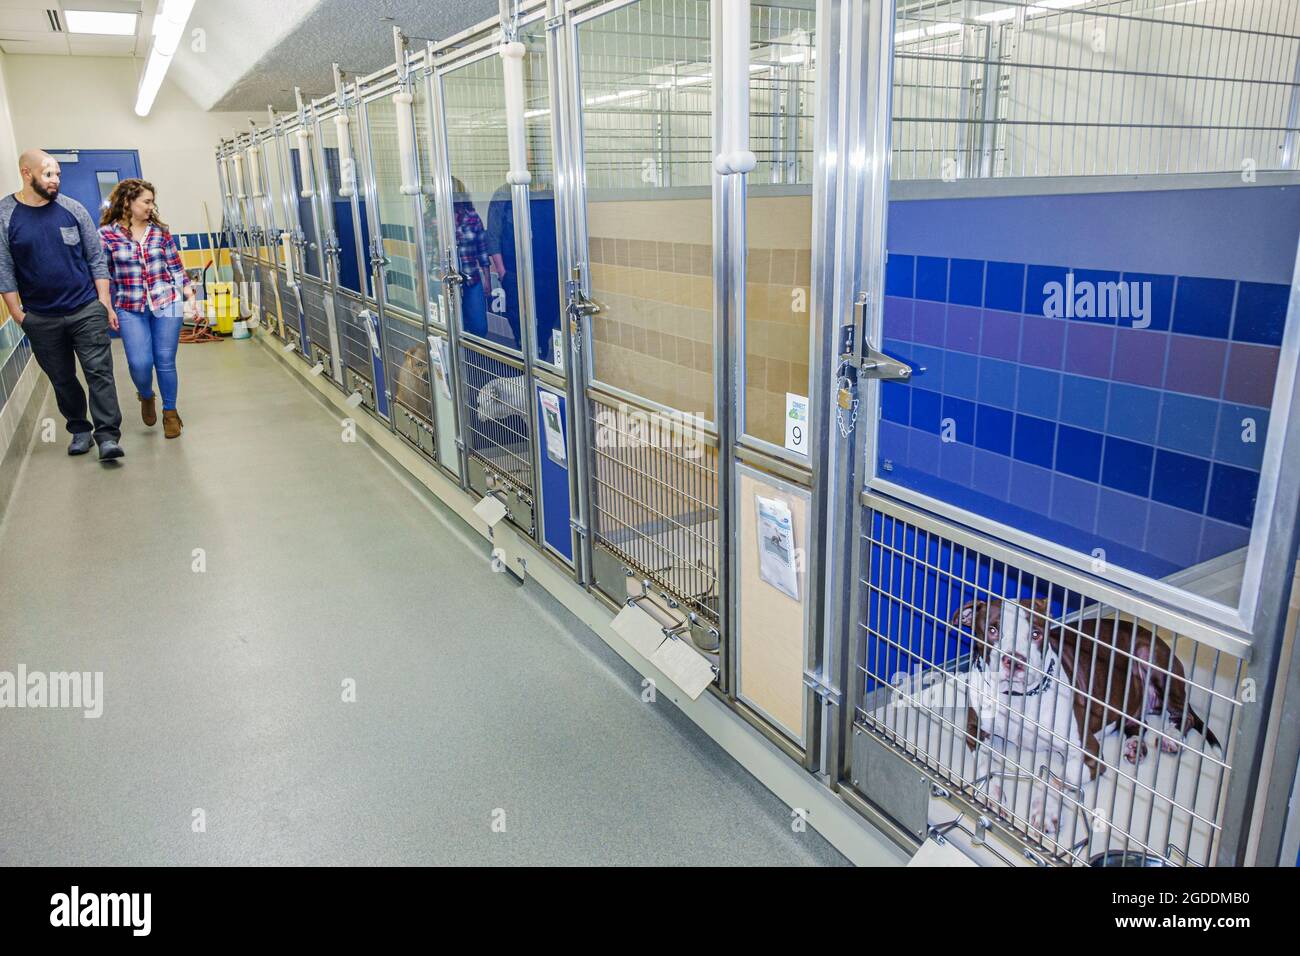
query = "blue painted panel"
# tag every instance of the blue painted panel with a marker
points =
(554, 483)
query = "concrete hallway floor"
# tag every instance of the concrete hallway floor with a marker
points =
(223, 689)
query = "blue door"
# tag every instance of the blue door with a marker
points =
(89, 175)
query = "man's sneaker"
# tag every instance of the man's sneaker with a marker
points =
(109, 449)
(80, 443)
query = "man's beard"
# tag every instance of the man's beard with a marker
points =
(46, 194)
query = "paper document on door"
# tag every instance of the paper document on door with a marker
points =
(683, 666)
(776, 553)
(554, 425)
(438, 359)
(639, 629)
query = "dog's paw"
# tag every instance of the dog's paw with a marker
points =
(1043, 818)
(1134, 749)
(1169, 745)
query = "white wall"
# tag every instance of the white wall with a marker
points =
(83, 102)
(8, 144)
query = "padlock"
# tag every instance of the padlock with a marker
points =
(845, 394)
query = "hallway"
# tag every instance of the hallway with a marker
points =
(223, 687)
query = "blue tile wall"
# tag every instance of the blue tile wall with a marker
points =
(1141, 437)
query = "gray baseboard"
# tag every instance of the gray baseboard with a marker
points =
(14, 456)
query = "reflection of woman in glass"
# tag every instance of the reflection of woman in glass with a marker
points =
(471, 249)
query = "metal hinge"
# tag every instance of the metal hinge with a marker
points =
(823, 690)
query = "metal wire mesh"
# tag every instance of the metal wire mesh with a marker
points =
(1089, 732)
(396, 212)
(497, 426)
(655, 502)
(987, 88)
(782, 74)
(647, 89)
(355, 341)
(408, 364)
(313, 307)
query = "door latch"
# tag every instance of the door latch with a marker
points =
(579, 307)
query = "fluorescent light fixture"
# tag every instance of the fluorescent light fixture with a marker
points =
(99, 22)
(168, 26)
(997, 16)
(933, 30)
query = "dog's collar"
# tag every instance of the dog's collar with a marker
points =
(1048, 670)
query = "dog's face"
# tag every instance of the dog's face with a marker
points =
(1009, 636)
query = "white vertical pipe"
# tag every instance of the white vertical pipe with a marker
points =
(286, 240)
(512, 69)
(406, 143)
(347, 171)
(304, 163)
(255, 169)
(734, 155)
(238, 157)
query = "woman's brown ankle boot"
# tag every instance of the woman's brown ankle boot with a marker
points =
(171, 423)
(148, 409)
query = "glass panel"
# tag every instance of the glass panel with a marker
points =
(275, 187)
(344, 227)
(779, 218)
(433, 259)
(311, 252)
(647, 97)
(547, 285)
(474, 101)
(396, 215)
(363, 196)
(107, 179)
(1092, 376)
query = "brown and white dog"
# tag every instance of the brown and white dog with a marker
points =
(1015, 692)
(1059, 689)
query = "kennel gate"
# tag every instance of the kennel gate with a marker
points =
(401, 277)
(982, 480)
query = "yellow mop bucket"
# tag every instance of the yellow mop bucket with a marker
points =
(222, 306)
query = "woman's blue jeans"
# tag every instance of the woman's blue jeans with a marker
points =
(151, 341)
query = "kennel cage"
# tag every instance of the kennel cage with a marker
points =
(679, 288)
(1082, 416)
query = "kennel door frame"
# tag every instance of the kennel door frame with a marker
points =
(323, 113)
(590, 393)
(399, 82)
(1254, 637)
(274, 197)
(269, 265)
(229, 234)
(385, 84)
(481, 43)
(293, 209)
(285, 224)
(262, 260)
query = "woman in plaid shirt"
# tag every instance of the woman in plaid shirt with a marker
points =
(148, 283)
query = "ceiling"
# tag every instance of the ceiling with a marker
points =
(241, 55)
(39, 27)
(256, 51)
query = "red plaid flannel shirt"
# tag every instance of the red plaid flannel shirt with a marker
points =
(158, 269)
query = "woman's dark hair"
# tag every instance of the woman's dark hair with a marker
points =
(119, 204)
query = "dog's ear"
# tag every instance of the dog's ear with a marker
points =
(965, 615)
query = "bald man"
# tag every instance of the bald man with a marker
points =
(54, 279)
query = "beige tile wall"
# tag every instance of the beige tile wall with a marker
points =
(654, 333)
(651, 270)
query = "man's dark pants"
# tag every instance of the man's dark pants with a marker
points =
(84, 333)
